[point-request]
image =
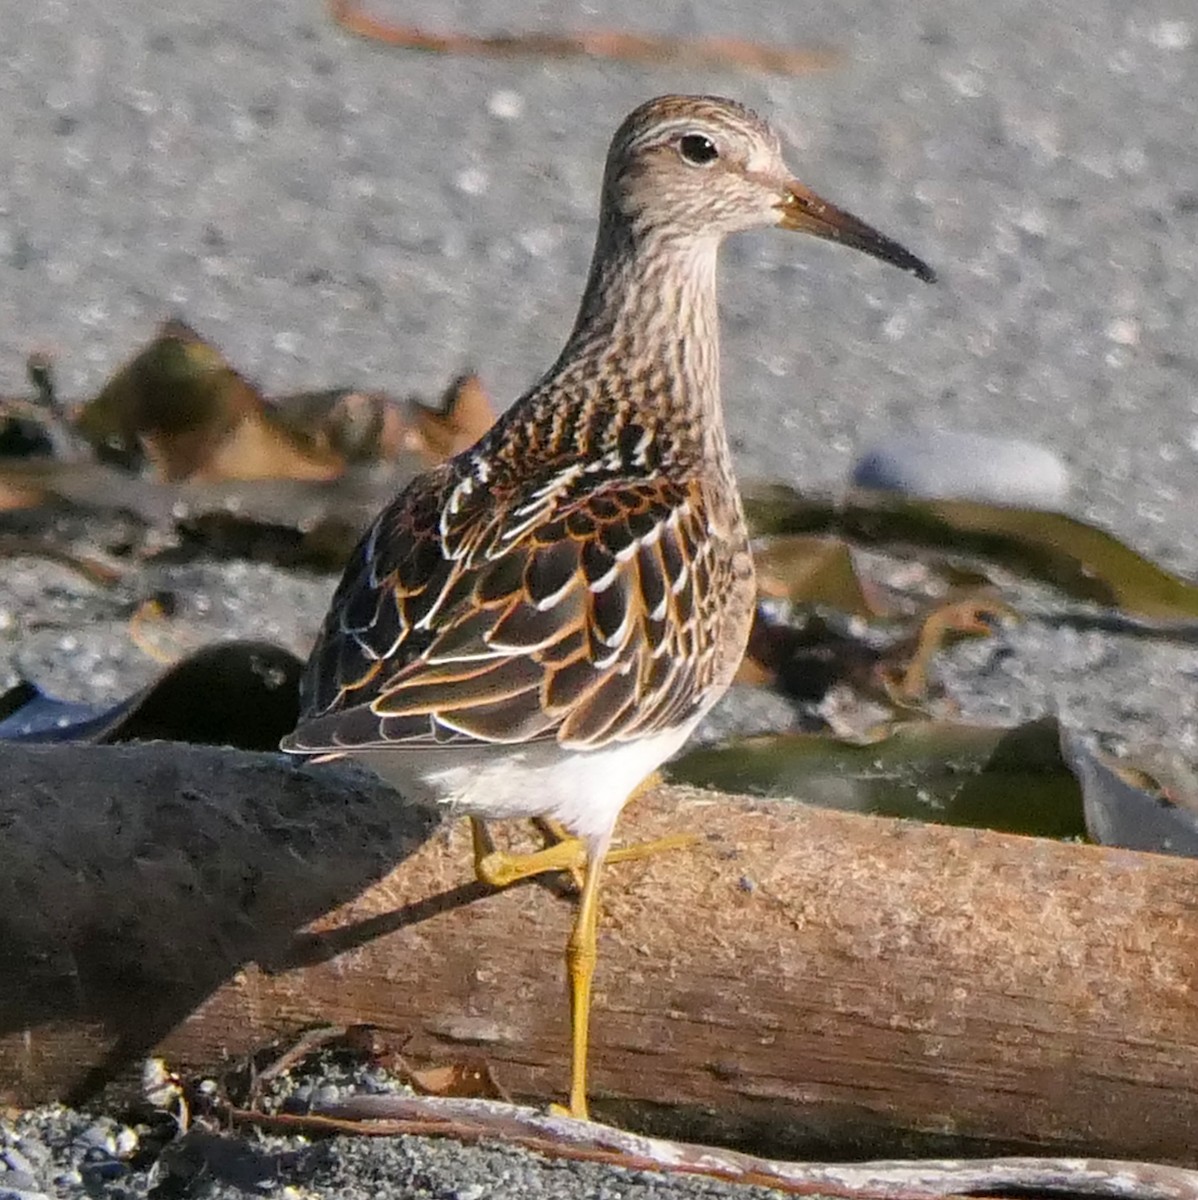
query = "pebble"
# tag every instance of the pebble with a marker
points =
(948, 465)
(126, 1141)
(15, 1164)
(744, 711)
(505, 104)
(97, 1139)
(16, 1181)
(103, 1171)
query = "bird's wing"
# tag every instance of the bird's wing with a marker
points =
(566, 611)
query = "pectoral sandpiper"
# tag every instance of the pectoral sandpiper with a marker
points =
(533, 627)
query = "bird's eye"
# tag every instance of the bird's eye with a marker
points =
(697, 149)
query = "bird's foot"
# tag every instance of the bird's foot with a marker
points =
(564, 1110)
(502, 868)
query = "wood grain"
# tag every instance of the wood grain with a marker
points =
(820, 983)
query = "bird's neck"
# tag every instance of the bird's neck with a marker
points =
(645, 344)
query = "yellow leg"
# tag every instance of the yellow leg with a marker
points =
(501, 869)
(498, 869)
(582, 952)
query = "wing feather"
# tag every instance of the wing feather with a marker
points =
(566, 611)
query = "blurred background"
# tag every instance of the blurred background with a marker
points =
(332, 211)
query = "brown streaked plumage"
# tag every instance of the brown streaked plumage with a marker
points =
(533, 627)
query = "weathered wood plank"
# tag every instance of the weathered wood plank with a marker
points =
(819, 981)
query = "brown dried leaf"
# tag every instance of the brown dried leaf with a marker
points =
(183, 407)
(814, 570)
(155, 611)
(92, 567)
(620, 45)
(17, 493)
(470, 1080)
(259, 447)
(463, 416)
(360, 427)
(907, 683)
(364, 427)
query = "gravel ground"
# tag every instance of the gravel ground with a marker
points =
(331, 212)
(56, 1152)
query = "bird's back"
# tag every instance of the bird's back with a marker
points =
(569, 578)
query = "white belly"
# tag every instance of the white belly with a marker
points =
(584, 790)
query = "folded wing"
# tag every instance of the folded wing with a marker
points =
(566, 613)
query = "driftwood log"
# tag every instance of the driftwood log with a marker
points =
(814, 982)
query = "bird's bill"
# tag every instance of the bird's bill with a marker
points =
(804, 212)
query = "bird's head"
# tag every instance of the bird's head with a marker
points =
(701, 167)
